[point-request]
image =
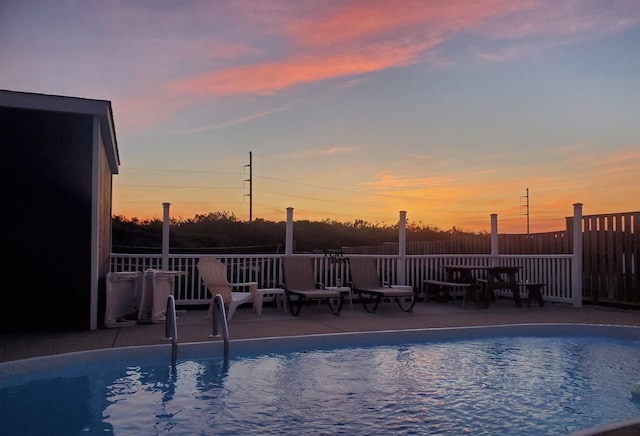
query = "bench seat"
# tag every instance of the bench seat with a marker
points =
(441, 283)
(530, 291)
(444, 289)
(535, 292)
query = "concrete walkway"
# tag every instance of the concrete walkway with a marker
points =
(194, 327)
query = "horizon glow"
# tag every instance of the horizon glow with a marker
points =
(449, 110)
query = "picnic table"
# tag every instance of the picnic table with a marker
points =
(497, 277)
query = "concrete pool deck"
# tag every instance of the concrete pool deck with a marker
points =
(194, 327)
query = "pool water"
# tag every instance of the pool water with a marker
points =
(482, 386)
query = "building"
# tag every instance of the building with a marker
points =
(59, 157)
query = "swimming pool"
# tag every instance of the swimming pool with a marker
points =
(531, 379)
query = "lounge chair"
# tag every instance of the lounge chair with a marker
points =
(371, 290)
(214, 276)
(300, 286)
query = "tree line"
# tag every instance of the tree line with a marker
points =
(222, 232)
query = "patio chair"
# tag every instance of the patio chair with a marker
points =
(371, 290)
(300, 286)
(214, 276)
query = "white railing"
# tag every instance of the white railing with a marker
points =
(553, 270)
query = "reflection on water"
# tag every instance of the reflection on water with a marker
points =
(488, 386)
(52, 406)
(157, 397)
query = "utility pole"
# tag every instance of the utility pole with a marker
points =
(527, 209)
(250, 180)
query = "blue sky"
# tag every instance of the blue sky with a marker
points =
(351, 110)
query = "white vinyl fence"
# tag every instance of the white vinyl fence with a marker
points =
(553, 270)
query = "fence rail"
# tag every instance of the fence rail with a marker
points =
(611, 257)
(553, 270)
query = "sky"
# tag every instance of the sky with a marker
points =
(351, 110)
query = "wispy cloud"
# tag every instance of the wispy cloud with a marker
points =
(626, 156)
(386, 180)
(617, 163)
(316, 152)
(268, 78)
(351, 40)
(236, 121)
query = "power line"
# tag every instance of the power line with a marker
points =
(308, 198)
(181, 202)
(252, 177)
(330, 188)
(175, 186)
(166, 170)
(250, 195)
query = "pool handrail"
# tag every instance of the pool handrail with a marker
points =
(218, 306)
(171, 327)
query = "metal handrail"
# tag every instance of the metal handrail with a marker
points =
(218, 303)
(171, 328)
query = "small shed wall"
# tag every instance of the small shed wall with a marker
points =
(46, 219)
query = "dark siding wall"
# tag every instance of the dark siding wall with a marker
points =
(104, 230)
(46, 219)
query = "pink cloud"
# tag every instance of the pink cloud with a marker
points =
(360, 38)
(371, 20)
(350, 40)
(268, 78)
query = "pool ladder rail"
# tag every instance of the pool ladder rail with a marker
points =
(218, 307)
(171, 326)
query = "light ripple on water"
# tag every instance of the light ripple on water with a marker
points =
(488, 386)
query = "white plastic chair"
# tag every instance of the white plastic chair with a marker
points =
(157, 285)
(214, 276)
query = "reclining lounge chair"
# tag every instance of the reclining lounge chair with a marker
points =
(300, 286)
(371, 291)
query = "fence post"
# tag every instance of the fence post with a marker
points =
(495, 249)
(165, 236)
(288, 242)
(402, 248)
(576, 262)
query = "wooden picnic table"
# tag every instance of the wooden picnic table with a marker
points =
(497, 277)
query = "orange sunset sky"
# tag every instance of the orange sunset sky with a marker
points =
(449, 110)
